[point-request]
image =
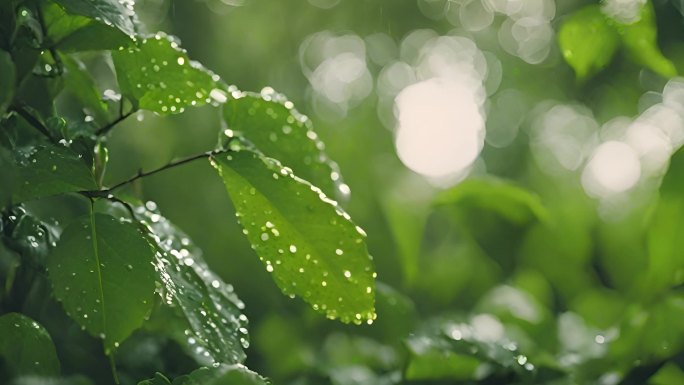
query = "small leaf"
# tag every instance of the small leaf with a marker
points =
(587, 41)
(641, 42)
(102, 272)
(269, 121)
(508, 200)
(110, 12)
(47, 169)
(211, 326)
(82, 86)
(307, 242)
(7, 81)
(26, 347)
(222, 375)
(159, 76)
(29, 236)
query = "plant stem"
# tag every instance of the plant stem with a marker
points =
(105, 129)
(33, 121)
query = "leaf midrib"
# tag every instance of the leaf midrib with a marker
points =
(93, 235)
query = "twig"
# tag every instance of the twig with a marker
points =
(33, 121)
(105, 129)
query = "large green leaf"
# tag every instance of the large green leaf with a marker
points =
(641, 41)
(222, 375)
(102, 272)
(48, 169)
(26, 347)
(309, 244)
(587, 41)
(158, 76)
(269, 121)
(514, 203)
(206, 317)
(7, 81)
(118, 13)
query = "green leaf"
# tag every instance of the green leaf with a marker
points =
(514, 203)
(159, 379)
(309, 244)
(587, 41)
(158, 76)
(26, 347)
(102, 272)
(269, 121)
(110, 12)
(8, 177)
(641, 42)
(210, 324)
(72, 33)
(79, 82)
(7, 81)
(29, 236)
(222, 375)
(48, 169)
(40, 380)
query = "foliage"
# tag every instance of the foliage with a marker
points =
(510, 276)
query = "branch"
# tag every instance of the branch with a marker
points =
(33, 121)
(105, 129)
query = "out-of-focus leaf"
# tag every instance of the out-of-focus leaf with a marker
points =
(208, 320)
(47, 169)
(504, 198)
(102, 272)
(640, 41)
(310, 245)
(39, 380)
(8, 177)
(587, 41)
(397, 314)
(158, 76)
(282, 341)
(668, 374)
(7, 81)
(83, 87)
(26, 347)
(110, 12)
(269, 121)
(343, 350)
(221, 375)
(29, 236)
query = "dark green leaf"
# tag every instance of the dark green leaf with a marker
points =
(82, 86)
(158, 76)
(210, 324)
(29, 236)
(159, 379)
(269, 121)
(587, 41)
(641, 42)
(307, 242)
(46, 170)
(110, 12)
(508, 200)
(102, 272)
(8, 177)
(7, 81)
(26, 347)
(38, 380)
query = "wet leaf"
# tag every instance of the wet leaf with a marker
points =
(110, 12)
(222, 375)
(641, 42)
(7, 81)
(587, 41)
(309, 244)
(269, 121)
(26, 347)
(102, 272)
(210, 324)
(82, 86)
(158, 76)
(159, 379)
(28, 235)
(47, 169)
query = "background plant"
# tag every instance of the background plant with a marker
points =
(555, 261)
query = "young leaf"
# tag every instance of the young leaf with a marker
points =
(211, 326)
(640, 40)
(26, 347)
(309, 244)
(222, 375)
(110, 12)
(7, 81)
(48, 169)
(587, 41)
(269, 121)
(102, 272)
(508, 200)
(158, 76)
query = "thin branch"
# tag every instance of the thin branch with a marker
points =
(32, 120)
(105, 129)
